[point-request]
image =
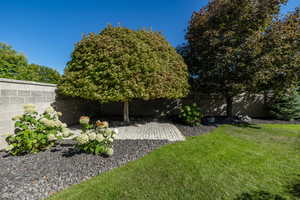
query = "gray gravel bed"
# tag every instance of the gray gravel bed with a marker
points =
(39, 175)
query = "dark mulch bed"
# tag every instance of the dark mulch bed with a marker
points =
(273, 121)
(188, 131)
(38, 176)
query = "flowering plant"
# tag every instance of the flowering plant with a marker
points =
(85, 123)
(96, 139)
(35, 132)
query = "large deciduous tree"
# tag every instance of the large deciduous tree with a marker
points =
(119, 65)
(225, 40)
(38, 73)
(10, 61)
(280, 59)
(14, 65)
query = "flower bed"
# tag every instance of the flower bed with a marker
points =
(36, 132)
(96, 139)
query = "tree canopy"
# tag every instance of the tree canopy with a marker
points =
(14, 65)
(280, 58)
(226, 43)
(119, 65)
(10, 61)
(38, 73)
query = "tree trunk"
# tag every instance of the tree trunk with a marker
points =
(229, 102)
(126, 111)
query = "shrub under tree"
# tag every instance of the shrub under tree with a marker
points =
(120, 65)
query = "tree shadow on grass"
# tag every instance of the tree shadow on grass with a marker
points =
(247, 125)
(234, 121)
(294, 188)
(259, 195)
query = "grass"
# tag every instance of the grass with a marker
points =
(221, 165)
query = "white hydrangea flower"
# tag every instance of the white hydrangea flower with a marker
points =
(108, 132)
(82, 139)
(65, 132)
(51, 137)
(59, 114)
(64, 125)
(110, 139)
(58, 123)
(92, 135)
(44, 121)
(48, 123)
(110, 151)
(59, 134)
(29, 108)
(99, 137)
(49, 110)
(9, 147)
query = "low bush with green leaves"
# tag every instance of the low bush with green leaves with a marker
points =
(191, 114)
(96, 139)
(36, 132)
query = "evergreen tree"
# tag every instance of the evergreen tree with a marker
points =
(285, 105)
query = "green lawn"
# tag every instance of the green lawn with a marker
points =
(221, 165)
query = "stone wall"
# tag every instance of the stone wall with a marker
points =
(14, 94)
(252, 105)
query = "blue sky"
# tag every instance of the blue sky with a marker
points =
(46, 30)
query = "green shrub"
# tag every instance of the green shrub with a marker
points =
(36, 132)
(96, 139)
(285, 105)
(191, 114)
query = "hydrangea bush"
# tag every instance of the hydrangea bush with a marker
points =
(96, 139)
(36, 132)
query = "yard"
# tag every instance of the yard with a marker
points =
(140, 113)
(230, 161)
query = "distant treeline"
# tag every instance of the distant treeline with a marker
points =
(14, 65)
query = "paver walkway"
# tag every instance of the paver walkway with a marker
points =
(147, 131)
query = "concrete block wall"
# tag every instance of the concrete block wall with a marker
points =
(14, 94)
